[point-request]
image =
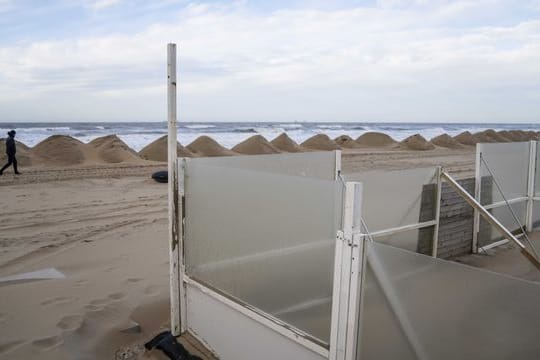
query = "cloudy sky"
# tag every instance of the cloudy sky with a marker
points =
(385, 60)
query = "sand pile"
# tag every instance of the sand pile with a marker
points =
(531, 135)
(446, 141)
(375, 139)
(417, 142)
(111, 149)
(346, 141)
(23, 154)
(206, 146)
(466, 138)
(284, 143)
(158, 150)
(256, 144)
(320, 142)
(59, 150)
(490, 135)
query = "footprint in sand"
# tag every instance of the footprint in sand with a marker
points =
(3, 317)
(48, 343)
(152, 290)
(100, 302)
(81, 282)
(91, 307)
(58, 301)
(133, 280)
(70, 322)
(9, 346)
(117, 296)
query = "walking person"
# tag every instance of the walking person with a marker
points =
(10, 151)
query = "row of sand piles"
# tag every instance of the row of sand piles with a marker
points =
(61, 150)
(64, 150)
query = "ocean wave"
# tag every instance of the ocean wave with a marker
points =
(291, 126)
(330, 127)
(244, 130)
(199, 126)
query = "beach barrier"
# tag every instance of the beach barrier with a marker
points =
(282, 257)
(276, 248)
(508, 185)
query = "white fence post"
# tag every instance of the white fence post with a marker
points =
(174, 208)
(530, 186)
(477, 192)
(435, 244)
(348, 275)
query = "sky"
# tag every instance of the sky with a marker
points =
(365, 60)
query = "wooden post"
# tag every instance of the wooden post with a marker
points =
(174, 208)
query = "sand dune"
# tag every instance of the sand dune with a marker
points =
(59, 150)
(206, 146)
(375, 139)
(111, 149)
(158, 150)
(284, 143)
(489, 135)
(320, 142)
(466, 138)
(346, 141)
(446, 141)
(254, 145)
(417, 142)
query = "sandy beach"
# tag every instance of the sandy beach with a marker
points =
(103, 225)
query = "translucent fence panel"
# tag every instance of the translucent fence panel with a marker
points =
(418, 307)
(537, 172)
(397, 198)
(320, 165)
(488, 234)
(264, 239)
(536, 214)
(509, 163)
(418, 240)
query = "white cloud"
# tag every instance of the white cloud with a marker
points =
(102, 4)
(309, 61)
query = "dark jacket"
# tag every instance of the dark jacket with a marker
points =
(10, 146)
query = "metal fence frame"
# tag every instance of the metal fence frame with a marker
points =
(530, 197)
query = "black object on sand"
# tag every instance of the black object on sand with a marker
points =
(167, 343)
(161, 176)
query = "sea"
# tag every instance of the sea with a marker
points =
(139, 134)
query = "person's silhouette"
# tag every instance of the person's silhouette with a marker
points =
(10, 151)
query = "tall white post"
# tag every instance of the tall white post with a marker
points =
(530, 186)
(348, 276)
(175, 208)
(477, 194)
(435, 244)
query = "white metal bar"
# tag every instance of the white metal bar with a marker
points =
(357, 256)
(504, 203)
(337, 164)
(174, 248)
(435, 244)
(182, 265)
(336, 291)
(399, 229)
(346, 277)
(490, 218)
(493, 244)
(265, 319)
(477, 192)
(530, 185)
